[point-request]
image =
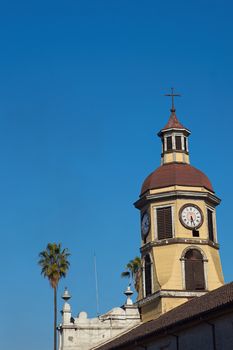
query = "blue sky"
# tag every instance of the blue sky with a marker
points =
(81, 101)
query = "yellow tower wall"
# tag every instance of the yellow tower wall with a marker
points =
(167, 255)
(169, 271)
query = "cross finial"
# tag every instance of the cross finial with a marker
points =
(172, 95)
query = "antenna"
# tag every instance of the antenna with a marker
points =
(96, 287)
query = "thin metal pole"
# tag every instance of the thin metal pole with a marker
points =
(96, 287)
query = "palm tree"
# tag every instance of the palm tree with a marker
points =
(133, 271)
(54, 266)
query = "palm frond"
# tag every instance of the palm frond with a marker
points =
(133, 270)
(54, 263)
(125, 274)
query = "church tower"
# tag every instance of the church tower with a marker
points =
(179, 246)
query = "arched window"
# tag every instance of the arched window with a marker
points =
(148, 282)
(194, 270)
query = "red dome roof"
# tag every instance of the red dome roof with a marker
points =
(176, 174)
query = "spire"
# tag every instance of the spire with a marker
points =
(173, 123)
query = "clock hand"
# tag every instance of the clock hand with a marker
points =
(192, 221)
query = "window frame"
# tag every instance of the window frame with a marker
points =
(205, 266)
(180, 138)
(214, 223)
(144, 275)
(169, 149)
(156, 224)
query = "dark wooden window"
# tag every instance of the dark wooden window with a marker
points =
(169, 143)
(185, 144)
(163, 149)
(178, 143)
(148, 282)
(210, 224)
(164, 222)
(194, 270)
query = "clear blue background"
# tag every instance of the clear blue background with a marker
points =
(81, 101)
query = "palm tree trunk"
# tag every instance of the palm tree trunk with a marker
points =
(55, 319)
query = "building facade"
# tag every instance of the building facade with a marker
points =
(182, 299)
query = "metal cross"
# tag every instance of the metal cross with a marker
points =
(172, 95)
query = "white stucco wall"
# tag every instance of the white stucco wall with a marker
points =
(83, 333)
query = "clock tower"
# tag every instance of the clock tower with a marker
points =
(179, 246)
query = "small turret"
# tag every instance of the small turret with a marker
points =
(174, 138)
(66, 310)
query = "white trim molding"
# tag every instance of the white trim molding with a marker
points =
(170, 293)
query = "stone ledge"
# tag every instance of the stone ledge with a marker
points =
(170, 293)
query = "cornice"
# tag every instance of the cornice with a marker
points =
(175, 194)
(145, 248)
(175, 151)
(169, 293)
(67, 326)
(184, 131)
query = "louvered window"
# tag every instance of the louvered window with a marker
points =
(169, 143)
(164, 222)
(210, 224)
(194, 270)
(148, 284)
(178, 143)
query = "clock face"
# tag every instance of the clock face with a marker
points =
(145, 224)
(191, 216)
